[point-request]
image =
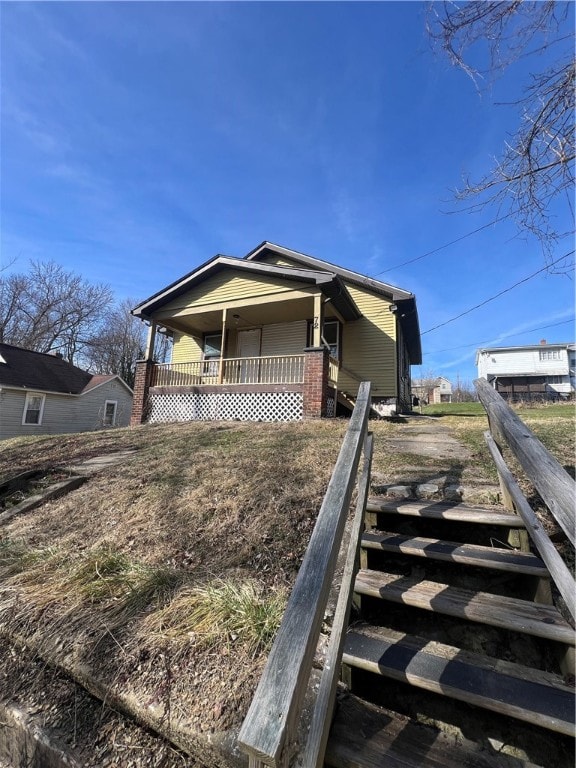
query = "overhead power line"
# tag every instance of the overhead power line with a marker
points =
(442, 247)
(497, 295)
(479, 343)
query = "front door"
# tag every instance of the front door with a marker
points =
(249, 347)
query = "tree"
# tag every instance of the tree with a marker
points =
(50, 309)
(536, 167)
(117, 344)
(120, 341)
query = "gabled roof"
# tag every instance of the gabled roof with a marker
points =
(405, 301)
(329, 277)
(329, 282)
(267, 248)
(24, 369)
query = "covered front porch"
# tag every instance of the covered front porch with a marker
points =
(251, 341)
(273, 388)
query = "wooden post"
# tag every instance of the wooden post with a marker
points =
(221, 361)
(149, 354)
(318, 321)
(516, 538)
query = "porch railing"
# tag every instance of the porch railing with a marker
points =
(277, 369)
(333, 368)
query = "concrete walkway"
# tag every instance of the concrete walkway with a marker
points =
(98, 463)
(450, 477)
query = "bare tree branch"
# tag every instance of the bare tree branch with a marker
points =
(536, 167)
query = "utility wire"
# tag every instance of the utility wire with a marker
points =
(520, 333)
(501, 293)
(446, 245)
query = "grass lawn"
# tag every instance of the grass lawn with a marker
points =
(168, 573)
(554, 425)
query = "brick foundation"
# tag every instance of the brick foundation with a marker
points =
(315, 388)
(141, 387)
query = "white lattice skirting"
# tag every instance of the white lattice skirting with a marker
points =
(246, 406)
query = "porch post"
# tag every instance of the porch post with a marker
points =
(318, 321)
(141, 386)
(315, 382)
(142, 379)
(221, 361)
(149, 353)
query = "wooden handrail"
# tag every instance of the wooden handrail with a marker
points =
(553, 483)
(271, 722)
(546, 549)
(325, 700)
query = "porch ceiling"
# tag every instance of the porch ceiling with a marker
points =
(250, 316)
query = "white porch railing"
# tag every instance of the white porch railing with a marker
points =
(278, 369)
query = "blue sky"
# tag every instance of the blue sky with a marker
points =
(140, 139)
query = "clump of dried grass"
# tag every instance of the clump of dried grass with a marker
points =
(222, 611)
(100, 575)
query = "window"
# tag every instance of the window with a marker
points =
(110, 413)
(33, 409)
(556, 380)
(330, 336)
(549, 354)
(212, 346)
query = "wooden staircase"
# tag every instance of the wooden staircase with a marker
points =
(451, 661)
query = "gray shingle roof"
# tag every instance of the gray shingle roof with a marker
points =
(38, 371)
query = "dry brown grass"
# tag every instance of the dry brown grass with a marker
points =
(123, 568)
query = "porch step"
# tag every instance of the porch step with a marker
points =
(366, 736)
(468, 554)
(536, 697)
(508, 613)
(462, 513)
(346, 400)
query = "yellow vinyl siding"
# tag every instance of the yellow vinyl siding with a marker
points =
(369, 345)
(281, 261)
(230, 285)
(186, 349)
(284, 338)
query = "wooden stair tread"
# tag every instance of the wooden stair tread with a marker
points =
(495, 610)
(468, 554)
(366, 736)
(462, 513)
(530, 695)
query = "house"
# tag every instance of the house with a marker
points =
(275, 336)
(437, 390)
(533, 372)
(43, 394)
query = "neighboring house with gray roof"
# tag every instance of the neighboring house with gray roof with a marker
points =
(42, 394)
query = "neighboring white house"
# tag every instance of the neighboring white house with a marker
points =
(438, 390)
(43, 394)
(533, 372)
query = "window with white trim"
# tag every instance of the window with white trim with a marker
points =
(110, 408)
(33, 408)
(212, 346)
